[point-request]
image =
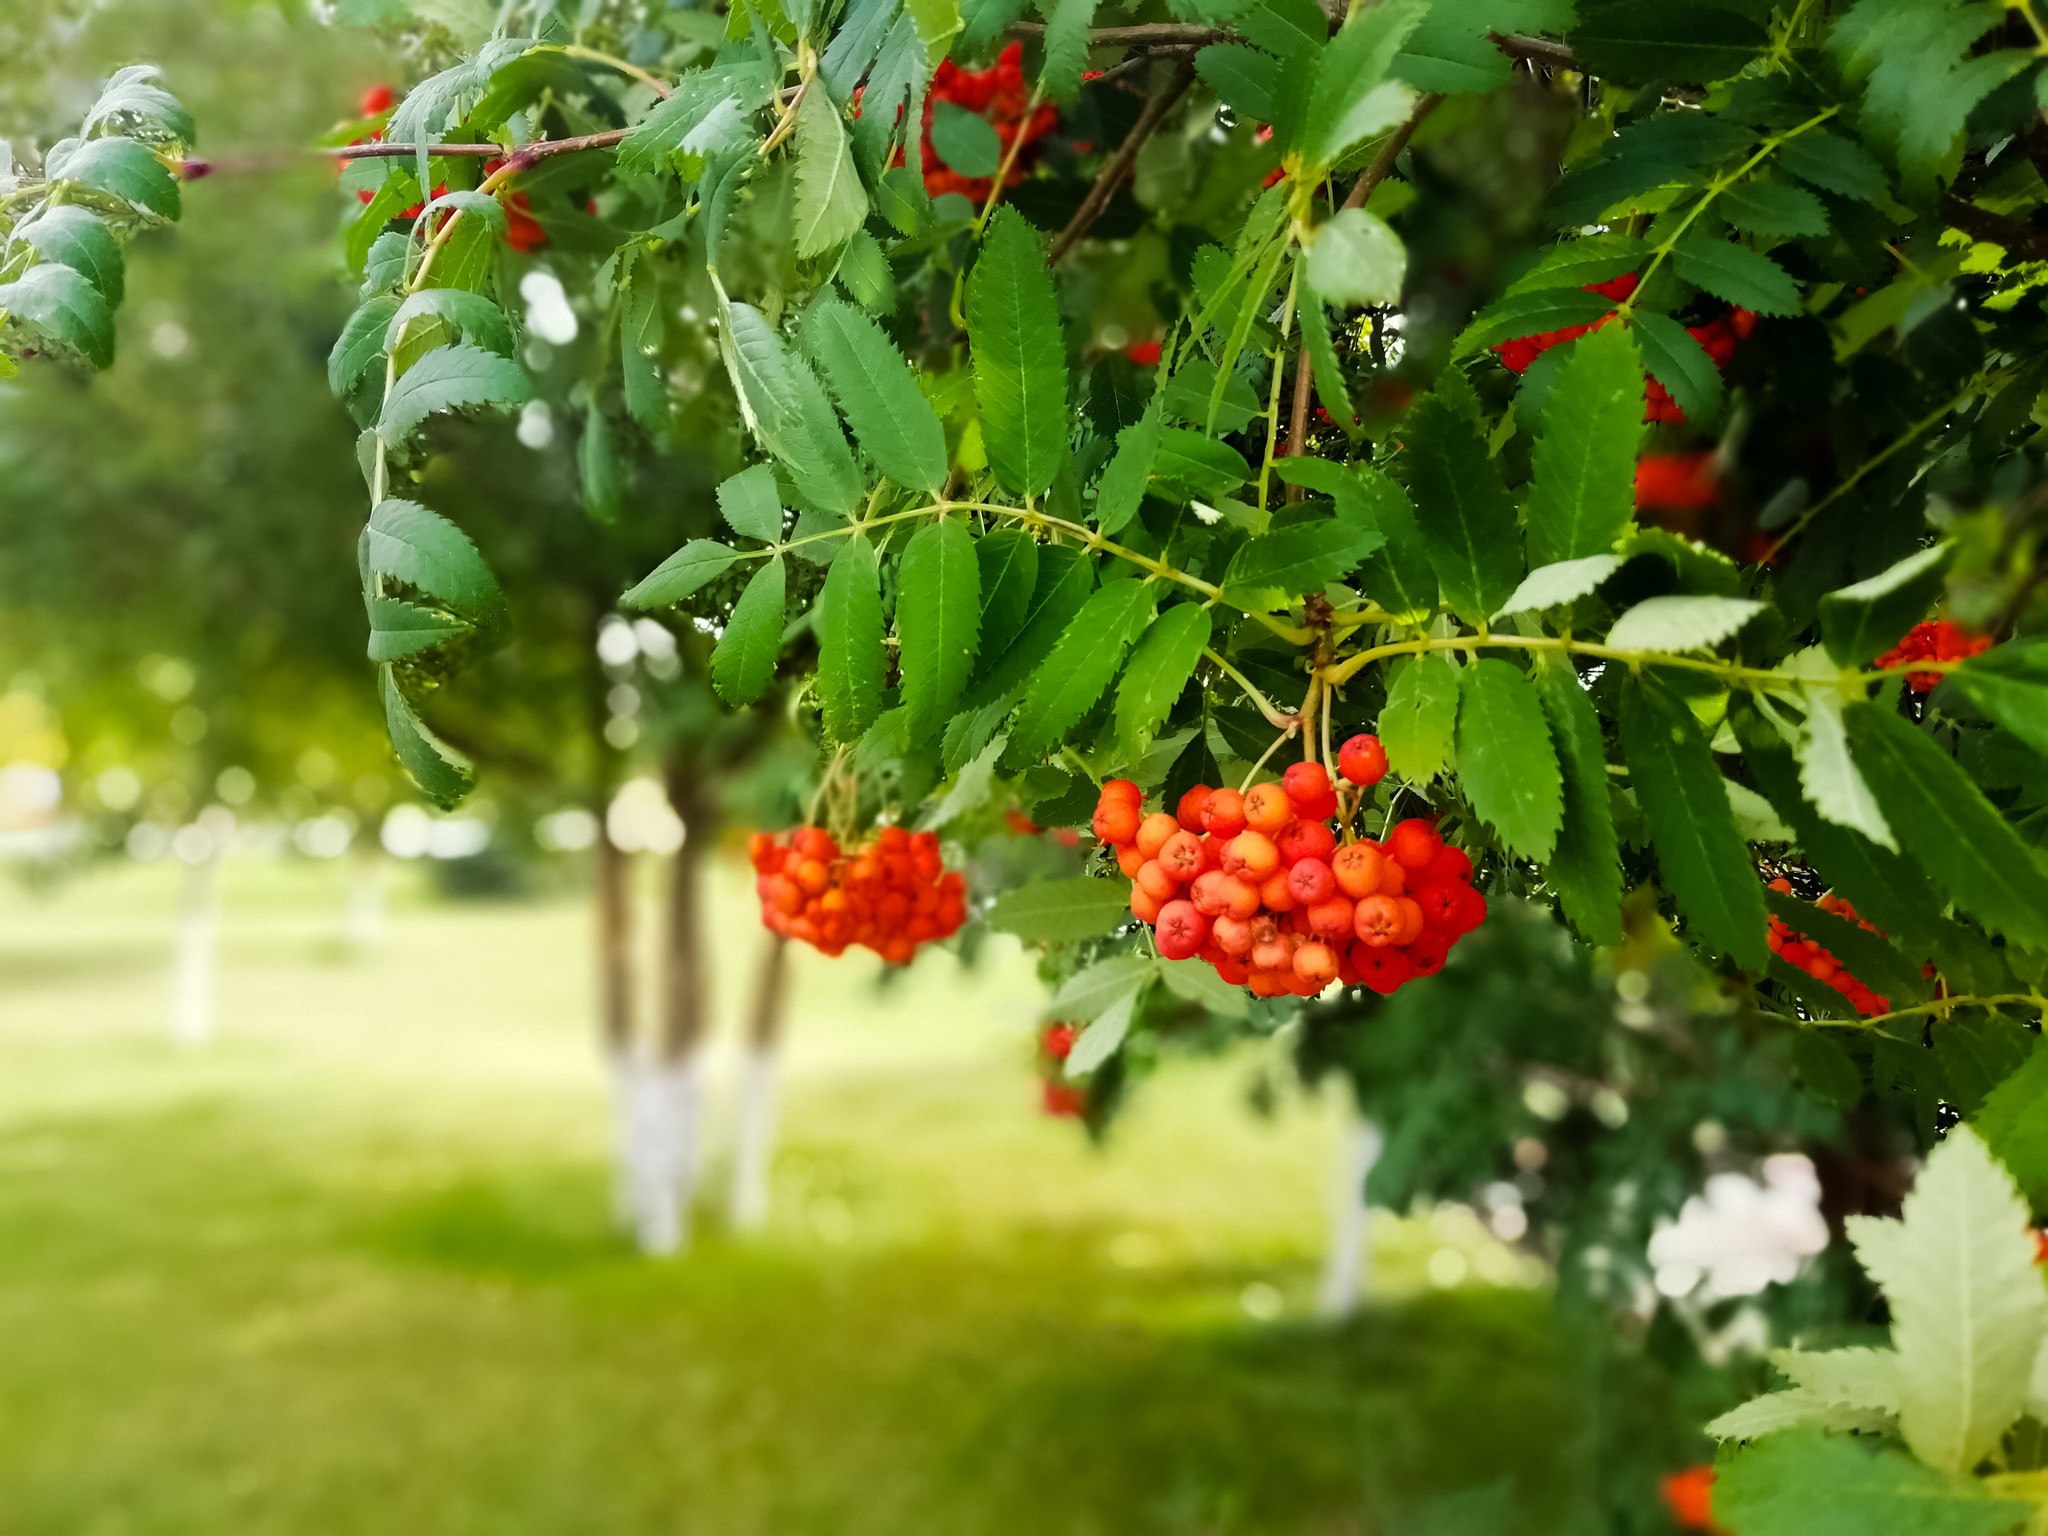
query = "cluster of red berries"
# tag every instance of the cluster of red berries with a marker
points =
(998, 93)
(1257, 885)
(522, 231)
(1689, 1495)
(892, 895)
(1717, 337)
(1677, 482)
(1935, 640)
(1061, 1098)
(1795, 949)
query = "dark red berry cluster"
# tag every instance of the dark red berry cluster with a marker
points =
(892, 896)
(1677, 482)
(1935, 640)
(1061, 1097)
(1795, 949)
(1717, 337)
(1257, 884)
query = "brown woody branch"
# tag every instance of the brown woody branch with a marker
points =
(1111, 176)
(2017, 236)
(1158, 36)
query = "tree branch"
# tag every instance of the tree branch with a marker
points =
(517, 159)
(2017, 236)
(1158, 35)
(1119, 164)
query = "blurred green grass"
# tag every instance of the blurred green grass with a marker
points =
(351, 1268)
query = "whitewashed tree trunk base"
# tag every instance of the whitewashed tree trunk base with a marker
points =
(195, 953)
(1348, 1271)
(659, 1112)
(754, 1138)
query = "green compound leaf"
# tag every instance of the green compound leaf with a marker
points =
(1061, 911)
(1764, 205)
(1806, 1483)
(461, 377)
(472, 315)
(1506, 761)
(938, 622)
(1685, 802)
(851, 662)
(1969, 1311)
(877, 393)
(1552, 586)
(1420, 720)
(2013, 1121)
(1949, 827)
(1834, 164)
(1525, 313)
(1121, 491)
(443, 774)
(361, 343)
(1009, 575)
(830, 202)
(696, 563)
(785, 405)
(1273, 569)
(1585, 869)
(62, 303)
(1467, 518)
(1744, 277)
(743, 662)
(80, 240)
(1080, 667)
(598, 468)
(1020, 360)
(1399, 577)
(406, 543)
(1158, 673)
(1582, 497)
(1351, 98)
(1635, 43)
(1681, 623)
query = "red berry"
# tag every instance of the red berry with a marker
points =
(1362, 760)
(378, 98)
(1414, 843)
(1306, 839)
(1154, 832)
(1223, 816)
(1115, 822)
(1122, 789)
(1250, 854)
(1311, 882)
(1267, 809)
(1182, 930)
(1357, 868)
(1305, 782)
(1192, 804)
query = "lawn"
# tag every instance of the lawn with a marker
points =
(351, 1268)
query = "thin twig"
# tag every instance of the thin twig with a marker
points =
(1156, 35)
(525, 154)
(1119, 164)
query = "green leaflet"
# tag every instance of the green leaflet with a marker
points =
(1061, 911)
(751, 505)
(1420, 720)
(405, 542)
(877, 393)
(80, 240)
(1969, 1311)
(1080, 667)
(1681, 623)
(472, 315)
(443, 774)
(121, 168)
(597, 466)
(743, 662)
(399, 629)
(1399, 577)
(1066, 48)
(1585, 869)
(1453, 50)
(850, 658)
(453, 378)
(1273, 569)
(830, 202)
(1582, 496)
(1523, 313)
(938, 622)
(131, 92)
(1467, 518)
(1804, 1483)
(1705, 864)
(1506, 763)
(62, 303)
(1357, 259)
(1869, 956)
(1087, 995)
(1121, 490)
(640, 338)
(360, 344)
(1636, 43)
(1949, 827)
(1019, 352)
(1243, 78)
(660, 135)
(1327, 372)
(1921, 78)
(1834, 164)
(864, 272)
(2009, 683)
(1350, 98)
(1064, 581)
(1861, 622)
(1828, 773)
(1571, 264)
(1678, 362)
(2014, 1123)
(1742, 276)
(787, 408)
(1764, 205)
(1158, 673)
(1009, 574)
(697, 562)
(1566, 581)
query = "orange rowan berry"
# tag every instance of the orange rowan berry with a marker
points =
(1305, 783)
(1377, 922)
(1144, 906)
(1414, 843)
(1362, 760)
(1357, 868)
(1115, 822)
(1123, 790)
(1316, 964)
(1154, 831)
(1129, 860)
(1182, 930)
(1274, 893)
(1223, 816)
(1306, 839)
(1332, 919)
(1183, 856)
(1312, 881)
(1192, 804)
(1251, 854)
(1233, 935)
(1156, 882)
(1267, 809)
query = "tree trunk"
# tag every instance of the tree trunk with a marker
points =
(1349, 1268)
(195, 951)
(754, 1141)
